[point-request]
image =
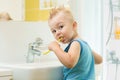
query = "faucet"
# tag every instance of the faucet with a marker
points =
(113, 59)
(33, 49)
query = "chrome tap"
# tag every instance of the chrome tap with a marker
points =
(33, 49)
(113, 58)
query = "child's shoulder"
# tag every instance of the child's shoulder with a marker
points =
(79, 40)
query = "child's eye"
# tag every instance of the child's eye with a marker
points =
(53, 31)
(61, 27)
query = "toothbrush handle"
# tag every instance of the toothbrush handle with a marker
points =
(46, 52)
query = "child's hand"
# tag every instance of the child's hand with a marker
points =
(53, 45)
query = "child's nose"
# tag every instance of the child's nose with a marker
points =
(58, 33)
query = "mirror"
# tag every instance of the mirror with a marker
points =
(28, 10)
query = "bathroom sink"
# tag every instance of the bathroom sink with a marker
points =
(38, 71)
(51, 70)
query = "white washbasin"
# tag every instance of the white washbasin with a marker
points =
(38, 71)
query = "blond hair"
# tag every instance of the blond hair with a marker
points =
(56, 10)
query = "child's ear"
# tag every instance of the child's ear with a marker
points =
(75, 25)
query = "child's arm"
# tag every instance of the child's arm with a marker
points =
(97, 57)
(70, 58)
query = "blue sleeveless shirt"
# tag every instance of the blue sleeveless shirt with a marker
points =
(84, 69)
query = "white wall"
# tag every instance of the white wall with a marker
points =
(14, 7)
(88, 14)
(91, 24)
(15, 37)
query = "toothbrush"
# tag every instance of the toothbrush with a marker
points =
(48, 51)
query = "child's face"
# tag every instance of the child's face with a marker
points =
(61, 26)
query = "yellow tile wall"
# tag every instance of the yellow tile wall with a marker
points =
(33, 12)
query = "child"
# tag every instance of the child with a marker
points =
(77, 58)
